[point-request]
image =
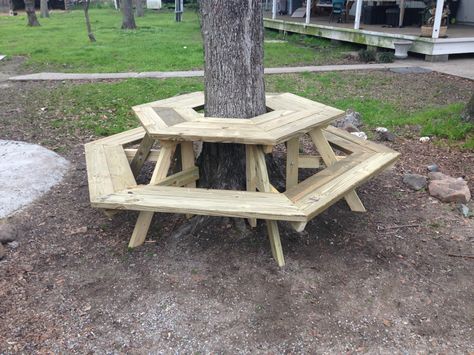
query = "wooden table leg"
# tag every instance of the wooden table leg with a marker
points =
(187, 161)
(251, 176)
(265, 186)
(292, 155)
(141, 155)
(324, 148)
(161, 171)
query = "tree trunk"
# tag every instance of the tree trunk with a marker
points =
(44, 12)
(468, 114)
(30, 11)
(86, 4)
(232, 32)
(11, 7)
(140, 12)
(128, 22)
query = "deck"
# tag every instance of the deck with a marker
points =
(460, 38)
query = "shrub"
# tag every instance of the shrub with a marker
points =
(367, 55)
(385, 57)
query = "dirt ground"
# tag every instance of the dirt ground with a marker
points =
(381, 282)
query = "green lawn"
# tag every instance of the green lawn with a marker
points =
(159, 44)
(104, 108)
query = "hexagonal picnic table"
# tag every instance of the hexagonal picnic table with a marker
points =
(174, 122)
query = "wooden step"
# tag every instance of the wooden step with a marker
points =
(241, 204)
(323, 189)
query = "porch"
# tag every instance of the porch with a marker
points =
(459, 38)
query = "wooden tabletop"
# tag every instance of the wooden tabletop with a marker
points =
(178, 119)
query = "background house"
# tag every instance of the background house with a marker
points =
(379, 23)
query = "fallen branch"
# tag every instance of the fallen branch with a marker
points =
(462, 256)
(398, 227)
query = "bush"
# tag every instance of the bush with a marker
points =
(367, 55)
(385, 57)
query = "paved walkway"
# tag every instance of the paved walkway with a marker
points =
(458, 67)
(197, 73)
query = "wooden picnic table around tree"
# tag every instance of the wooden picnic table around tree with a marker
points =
(176, 123)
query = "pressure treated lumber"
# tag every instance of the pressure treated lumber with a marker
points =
(176, 119)
(112, 164)
(292, 155)
(141, 154)
(108, 170)
(251, 175)
(329, 158)
(161, 170)
(226, 203)
(272, 226)
(322, 197)
(127, 137)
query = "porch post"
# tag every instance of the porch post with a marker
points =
(358, 14)
(438, 17)
(402, 13)
(274, 9)
(308, 11)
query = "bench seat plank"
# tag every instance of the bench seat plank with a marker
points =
(108, 170)
(241, 204)
(350, 174)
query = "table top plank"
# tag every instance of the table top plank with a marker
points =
(174, 119)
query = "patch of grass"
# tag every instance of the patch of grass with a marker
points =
(105, 108)
(355, 91)
(159, 43)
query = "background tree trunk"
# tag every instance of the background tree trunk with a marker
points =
(44, 12)
(232, 32)
(140, 12)
(86, 4)
(128, 22)
(30, 11)
(468, 113)
(11, 7)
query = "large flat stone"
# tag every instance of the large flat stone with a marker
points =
(27, 172)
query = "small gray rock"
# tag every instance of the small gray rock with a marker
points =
(463, 209)
(8, 233)
(415, 181)
(13, 244)
(433, 168)
(386, 136)
(3, 252)
(353, 118)
(350, 128)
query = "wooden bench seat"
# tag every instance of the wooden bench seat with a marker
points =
(240, 204)
(108, 170)
(131, 136)
(315, 194)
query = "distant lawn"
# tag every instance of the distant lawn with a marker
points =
(159, 44)
(104, 108)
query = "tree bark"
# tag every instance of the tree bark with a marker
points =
(44, 12)
(468, 113)
(86, 4)
(30, 11)
(11, 8)
(232, 32)
(139, 10)
(128, 22)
